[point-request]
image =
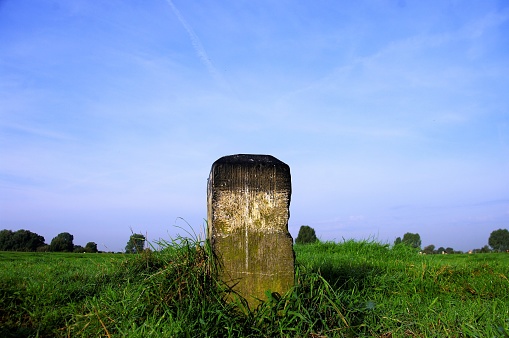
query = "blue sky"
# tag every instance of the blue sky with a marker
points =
(392, 115)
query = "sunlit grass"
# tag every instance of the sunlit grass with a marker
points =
(348, 289)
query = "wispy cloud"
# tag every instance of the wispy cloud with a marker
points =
(33, 131)
(197, 45)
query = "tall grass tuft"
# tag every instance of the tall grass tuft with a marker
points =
(175, 292)
(173, 285)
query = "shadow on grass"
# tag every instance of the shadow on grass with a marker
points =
(347, 276)
(17, 332)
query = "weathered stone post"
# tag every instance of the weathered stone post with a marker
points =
(248, 210)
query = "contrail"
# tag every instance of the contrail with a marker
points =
(202, 54)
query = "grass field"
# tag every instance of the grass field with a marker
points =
(349, 289)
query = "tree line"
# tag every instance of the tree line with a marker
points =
(498, 242)
(25, 240)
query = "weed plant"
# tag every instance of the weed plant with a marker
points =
(348, 289)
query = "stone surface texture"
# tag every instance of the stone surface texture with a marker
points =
(248, 210)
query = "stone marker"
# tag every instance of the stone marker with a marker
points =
(248, 209)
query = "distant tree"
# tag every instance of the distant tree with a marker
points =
(485, 249)
(429, 249)
(6, 240)
(440, 250)
(135, 244)
(306, 235)
(413, 240)
(449, 250)
(27, 241)
(21, 240)
(62, 243)
(44, 248)
(91, 247)
(397, 241)
(499, 240)
(78, 249)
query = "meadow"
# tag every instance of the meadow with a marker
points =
(348, 289)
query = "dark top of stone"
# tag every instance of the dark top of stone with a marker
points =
(247, 159)
(259, 172)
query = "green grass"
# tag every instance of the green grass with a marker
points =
(349, 289)
(396, 291)
(40, 291)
